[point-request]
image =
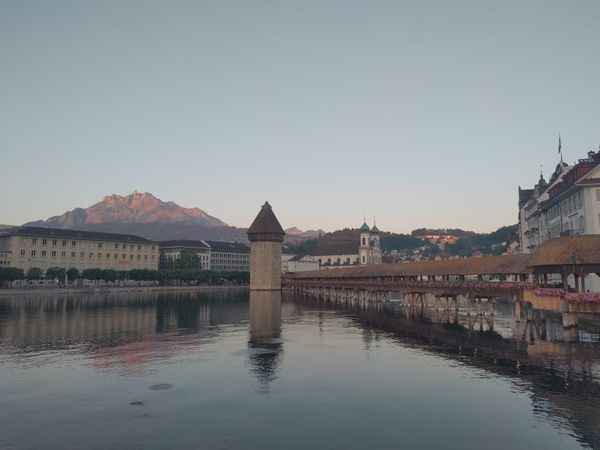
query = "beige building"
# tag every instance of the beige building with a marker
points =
(27, 247)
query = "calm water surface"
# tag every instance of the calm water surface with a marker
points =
(221, 370)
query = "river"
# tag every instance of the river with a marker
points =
(221, 370)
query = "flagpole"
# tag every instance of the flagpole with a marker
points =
(560, 148)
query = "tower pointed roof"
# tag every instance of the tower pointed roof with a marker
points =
(266, 227)
(365, 227)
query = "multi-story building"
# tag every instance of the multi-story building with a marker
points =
(229, 256)
(213, 255)
(568, 204)
(173, 251)
(362, 251)
(27, 247)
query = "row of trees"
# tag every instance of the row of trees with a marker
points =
(9, 274)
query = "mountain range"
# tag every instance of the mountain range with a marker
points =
(145, 215)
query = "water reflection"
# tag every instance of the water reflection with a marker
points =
(560, 366)
(265, 346)
(229, 338)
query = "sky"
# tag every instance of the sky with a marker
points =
(419, 114)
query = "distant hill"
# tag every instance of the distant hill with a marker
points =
(469, 243)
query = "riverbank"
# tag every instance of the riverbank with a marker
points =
(112, 290)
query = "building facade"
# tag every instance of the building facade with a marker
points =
(298, 263)
(229, 256)
(362, 251)
(212, 255)
(567, 205)
(27, 247)
(173, 254)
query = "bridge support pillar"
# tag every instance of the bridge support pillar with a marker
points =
(569, 320)
(518, 308)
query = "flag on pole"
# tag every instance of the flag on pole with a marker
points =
(559, 146)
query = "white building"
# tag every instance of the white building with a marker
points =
(364, 250)
(567, 205)
(213, 255)
(298, 263)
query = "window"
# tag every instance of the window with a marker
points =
(139, 257)
(54, 241)
(108, 256)
(82, 255)
(99, 244)
(32, 252)
(152, 256)
(64, 243)
(63, 254)
(33, 241)
(124, 246)
(116, 246)
(124, 256)
(43, 252)
(73, 243)
(99, 255)
(145, 256)
(116, 256)
(139, 247)
(44, 241)
(22, 252)
(131, 247)
(54, 253)
(130, 256)
(91, 255)
(72, 254)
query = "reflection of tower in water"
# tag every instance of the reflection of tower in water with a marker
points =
(265, 347)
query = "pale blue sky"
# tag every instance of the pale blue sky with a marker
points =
(422, 113)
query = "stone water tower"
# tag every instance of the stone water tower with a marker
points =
(265, 236)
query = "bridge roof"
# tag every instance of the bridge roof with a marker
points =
(487, 265)
(570, 250)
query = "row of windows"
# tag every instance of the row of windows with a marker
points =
(63, 254)
(64, 243)
(568, 206)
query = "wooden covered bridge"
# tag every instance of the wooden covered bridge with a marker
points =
(513, 277)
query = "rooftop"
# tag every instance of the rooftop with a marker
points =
(183, 243)
(570, 250)
(74, 234)
(266, 227)
(228, 247)
(487, 265)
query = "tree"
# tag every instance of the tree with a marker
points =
(188, 260)
(34, 273)
(91, 274)
(12, 274)
(55, 273)
(72, 274)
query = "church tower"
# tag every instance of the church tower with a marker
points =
(375, 245)
(265, 236)
(364, 249)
